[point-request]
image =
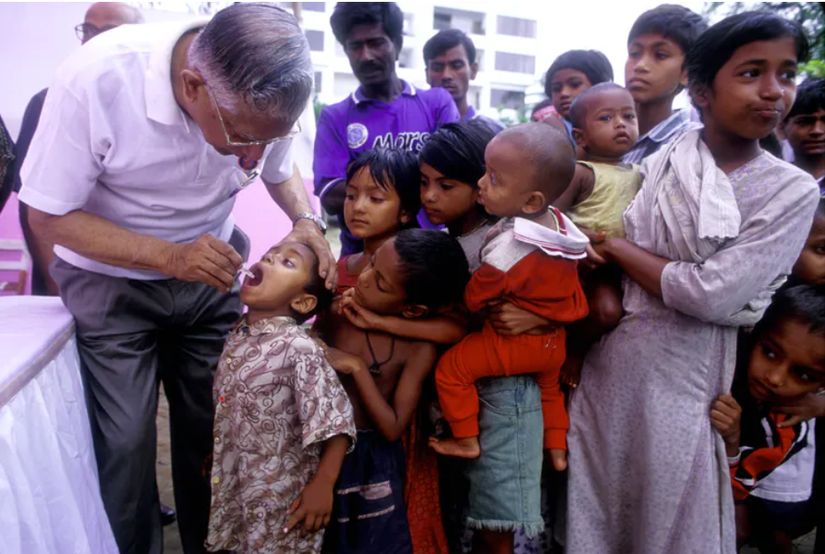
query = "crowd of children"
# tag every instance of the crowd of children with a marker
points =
(562, 262)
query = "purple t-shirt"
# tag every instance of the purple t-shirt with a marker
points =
(358, 123)
(471, 113)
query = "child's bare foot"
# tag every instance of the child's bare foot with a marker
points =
(467, 447)
(559, 458)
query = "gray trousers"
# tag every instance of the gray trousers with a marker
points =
(132, 335)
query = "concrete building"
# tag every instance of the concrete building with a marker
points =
(511, 58)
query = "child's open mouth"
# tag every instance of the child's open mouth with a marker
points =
(256, 278)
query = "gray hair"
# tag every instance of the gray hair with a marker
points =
(255, 54)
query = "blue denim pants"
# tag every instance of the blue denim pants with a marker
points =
(505, 481)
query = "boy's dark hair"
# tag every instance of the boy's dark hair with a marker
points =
(392, 168)
(578, 108)
(347, 15)
(434, 267)
(446, 39)
(810, 97)
(715, 46)
(592, 63)
(316, 287)
(456, 150)
(676, 23)
(804, 304)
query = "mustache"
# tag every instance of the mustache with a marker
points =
(370, 66)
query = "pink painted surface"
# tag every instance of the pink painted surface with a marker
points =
(260, 217)
(255, 212)
(9, 224)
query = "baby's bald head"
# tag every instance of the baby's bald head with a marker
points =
(547, 153)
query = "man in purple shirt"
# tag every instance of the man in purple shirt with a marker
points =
(450, 60)
(384, 111)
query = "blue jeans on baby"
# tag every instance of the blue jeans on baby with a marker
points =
(505, 481)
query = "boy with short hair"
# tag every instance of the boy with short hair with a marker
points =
(413, 274)
(283, 422)
(655, 73)
(771, 453)
(450, 61)
(804, 128)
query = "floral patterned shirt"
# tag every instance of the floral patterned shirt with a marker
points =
(276, 400)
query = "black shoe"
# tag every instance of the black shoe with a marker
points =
(167, 515)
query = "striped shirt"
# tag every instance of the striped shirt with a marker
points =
(667, 130)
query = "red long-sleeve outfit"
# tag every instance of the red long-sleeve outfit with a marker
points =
(545, 285)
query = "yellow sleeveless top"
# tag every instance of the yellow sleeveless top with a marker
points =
(613, 190)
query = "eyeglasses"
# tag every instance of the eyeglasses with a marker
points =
(231, 142)
(87, 31)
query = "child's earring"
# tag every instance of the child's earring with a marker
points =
(404, 217)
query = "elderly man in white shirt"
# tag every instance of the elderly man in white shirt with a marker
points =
(146, 135)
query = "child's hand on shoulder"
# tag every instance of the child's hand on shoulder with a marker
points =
(342, 362)
(725, 416)
(808, 407)
(313, 506)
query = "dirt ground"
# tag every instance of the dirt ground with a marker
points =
(171, 540)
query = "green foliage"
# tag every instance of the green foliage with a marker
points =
(317, 106)
(810, 15)
(814, 68)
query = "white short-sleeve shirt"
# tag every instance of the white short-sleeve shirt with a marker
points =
(112, 141)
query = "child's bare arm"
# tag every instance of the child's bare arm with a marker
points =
(580, 187)
(808, 407)
(508, 319)
(391, 419)
(439, 329)
(314, 505)
(725, 415)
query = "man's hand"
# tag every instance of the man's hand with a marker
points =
(307, 232)
(725, 415)
(313, 506)
(206, 260)
(809, 406)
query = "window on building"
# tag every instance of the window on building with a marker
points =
(504, 99)
(515, 26)
(517, 63)
(407, 58)
(471, 23)
(409, 24)
(315, 40)
(441, 21)
(318, 81)
(313, 6)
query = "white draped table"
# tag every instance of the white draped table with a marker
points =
(49, 493)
